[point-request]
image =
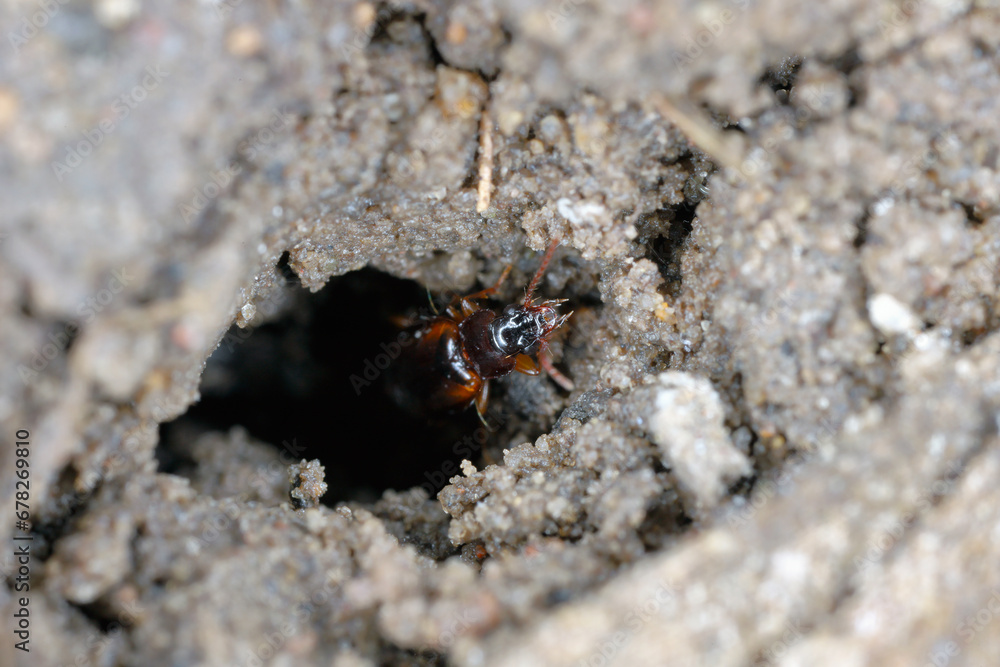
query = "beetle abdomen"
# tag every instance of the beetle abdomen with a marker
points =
(479, 347)
(434, 376)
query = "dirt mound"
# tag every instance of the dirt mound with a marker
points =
(780, 236)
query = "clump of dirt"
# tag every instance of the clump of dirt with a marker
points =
(780, 236)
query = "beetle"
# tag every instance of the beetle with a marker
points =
(455, 354)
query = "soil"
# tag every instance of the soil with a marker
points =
(780, 238)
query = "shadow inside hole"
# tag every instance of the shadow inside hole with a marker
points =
(669, 229)
(304, 379)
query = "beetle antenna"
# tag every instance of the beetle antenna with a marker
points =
(541, 269)
(430, 299)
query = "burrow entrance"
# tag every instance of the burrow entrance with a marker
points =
(313, 378)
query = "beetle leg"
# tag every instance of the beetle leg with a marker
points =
(468, 307)
(404, 321)
(462, 307)
(546, 362)
(525, 364)
(481, 401)
(489, 291)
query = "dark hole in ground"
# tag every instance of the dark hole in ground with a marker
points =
(668, 229)
(781, 76)
(291, 381)
(104, 618)
(861, 237)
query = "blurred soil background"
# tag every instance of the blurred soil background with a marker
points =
(781, 241)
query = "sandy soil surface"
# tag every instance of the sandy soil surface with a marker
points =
(780, 233)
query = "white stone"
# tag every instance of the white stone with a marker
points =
(891, 316)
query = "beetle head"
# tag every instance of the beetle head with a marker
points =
(521, 326)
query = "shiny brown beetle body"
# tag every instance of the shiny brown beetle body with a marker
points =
(455, 354)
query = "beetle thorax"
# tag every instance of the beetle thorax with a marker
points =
(518, 328)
